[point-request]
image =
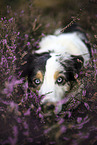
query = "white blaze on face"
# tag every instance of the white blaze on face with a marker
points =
(50, 89)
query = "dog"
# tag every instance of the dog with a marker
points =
(52, 69)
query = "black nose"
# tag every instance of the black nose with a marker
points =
(48, 107)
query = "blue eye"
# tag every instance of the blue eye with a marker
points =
(37, 82)
(60, 80)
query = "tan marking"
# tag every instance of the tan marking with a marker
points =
(68, 87)
(39, 75)
(56, 75)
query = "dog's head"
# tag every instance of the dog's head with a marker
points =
(52, 75)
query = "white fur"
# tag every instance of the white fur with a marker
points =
(49, 87)
(70, 43)
(62, 45)
(53, 92)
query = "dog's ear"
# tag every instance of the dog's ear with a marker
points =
(26, 64)
(32, 63)
(73, 66)
(77, 62)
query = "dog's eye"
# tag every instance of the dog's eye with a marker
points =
(60, 80)
(37, 82)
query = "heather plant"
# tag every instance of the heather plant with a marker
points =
(15, 101)
(22, 120)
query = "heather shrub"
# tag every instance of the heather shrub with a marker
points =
(22, 120)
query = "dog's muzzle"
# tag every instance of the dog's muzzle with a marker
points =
(48, 107)
(51, 107)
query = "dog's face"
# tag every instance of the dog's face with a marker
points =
(51, 75)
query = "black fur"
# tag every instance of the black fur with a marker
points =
(73, 66)
(88, 46)
(73, 28)
(34, 63)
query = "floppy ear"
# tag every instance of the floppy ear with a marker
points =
(25, 66)
(32, 63)
(73, 66)
(77, 62)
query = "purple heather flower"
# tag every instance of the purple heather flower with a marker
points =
(83, 135)
(26, 133)
(28, 43)
(25, 86)
(25, 125)
(15, 14)
(87, 105)
(47, 25)
(14, 58)
(36, 43)
(47, 130)
(13, 106)
(22, 11)
(19, 120)
(37, 46)
(61, 121)
(96, 72)
(39, 109)
(95, 51)
(52, 142)
(6, 35)
(69, 113)
(33, 39)
(4, 41)
(79, 119)
(76, 76)
(41, 116)
(84, 121)
(15, 131)
(9, 86)
(65, 138)
(43, 34)
(10, 20)
(18, 33)
(63, 129)
(84, 92)
(27, 113)
(26, 35)
(13, 141)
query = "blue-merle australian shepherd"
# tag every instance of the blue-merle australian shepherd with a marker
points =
(53, 67)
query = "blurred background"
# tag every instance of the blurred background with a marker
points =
(22, 24)
(56, 13)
